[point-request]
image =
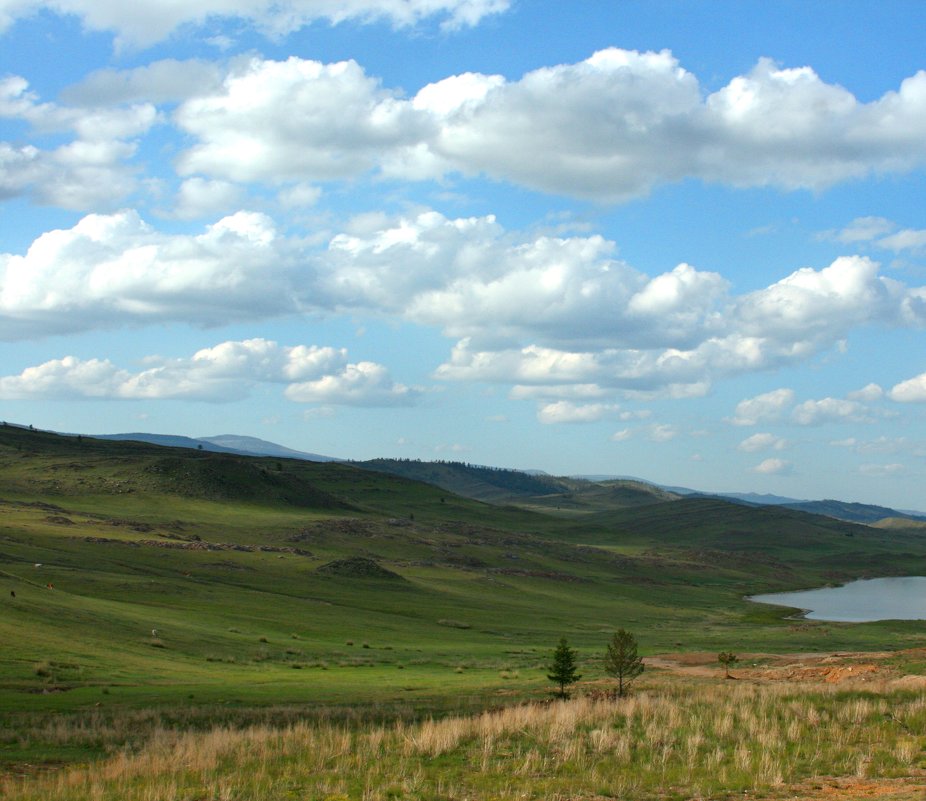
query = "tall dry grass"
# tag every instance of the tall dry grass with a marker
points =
(699, 741)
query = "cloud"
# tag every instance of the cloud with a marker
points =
(829, 410)
(576, 391)
(913, 390)
(774, 467)
(90, 171)
(568, 412)
(862, 229)
(621, 122)
(593, 319)
(622, 435)
(759, 442)
(867, 394)
(768, 407)
(299, 196)
(892, 445)
(909, 240)
(467, 277)
(146, 22)
(198, 197)
(609, 128)
(361, 384)
(662, 432)
(779, 406)
(115, 269)
(881, 470)
(77, 176)
(280, 121)
(882, 233)
(164, 81)
(559, 314)
(228, 371)
(810, 306)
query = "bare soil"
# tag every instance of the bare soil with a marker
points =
(829, 668)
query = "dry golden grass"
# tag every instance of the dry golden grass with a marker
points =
(693, 741)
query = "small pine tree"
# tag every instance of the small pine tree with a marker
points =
(563, 667)
(727, 658)
(622, 660)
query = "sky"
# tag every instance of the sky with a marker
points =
(678, 240)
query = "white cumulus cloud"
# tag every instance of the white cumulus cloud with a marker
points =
(913, 390)
(225, 372)
(768, 407)
(116, 269)
(361, 384)
(774, 467)
(867, 394)
(610, 127)
(560, 313)
(759, 442)
(198, 197)
(830, 410)
(279, 121)
(569, 412)
(91, 170)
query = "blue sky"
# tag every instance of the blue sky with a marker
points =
(679, 240)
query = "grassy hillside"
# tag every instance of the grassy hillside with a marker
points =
(490, 484)
(567, 496)
(146, 576)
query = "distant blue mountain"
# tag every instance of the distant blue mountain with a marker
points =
(841, 510)
(763, 499)
(225, 443)
(253, 446)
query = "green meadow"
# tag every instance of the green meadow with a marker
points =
(146, 590)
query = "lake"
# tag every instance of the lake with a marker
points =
(901, 598)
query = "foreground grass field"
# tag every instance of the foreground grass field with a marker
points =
(672, 739)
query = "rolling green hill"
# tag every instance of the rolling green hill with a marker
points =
(132, 574)
(517, 488)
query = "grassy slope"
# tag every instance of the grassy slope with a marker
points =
(567, 496)
(220, 555)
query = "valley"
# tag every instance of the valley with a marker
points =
(149, 590)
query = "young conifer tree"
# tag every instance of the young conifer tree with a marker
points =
(622, 661)
(563, 667)
(727, 659)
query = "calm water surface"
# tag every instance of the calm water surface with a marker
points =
(901, 598)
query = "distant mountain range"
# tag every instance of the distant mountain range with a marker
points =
(498, 485)
(841, 510)
(224, 443)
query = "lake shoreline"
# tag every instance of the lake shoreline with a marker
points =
(859, 601)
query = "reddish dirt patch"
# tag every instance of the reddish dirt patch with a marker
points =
(904, 789)
(832, 668)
